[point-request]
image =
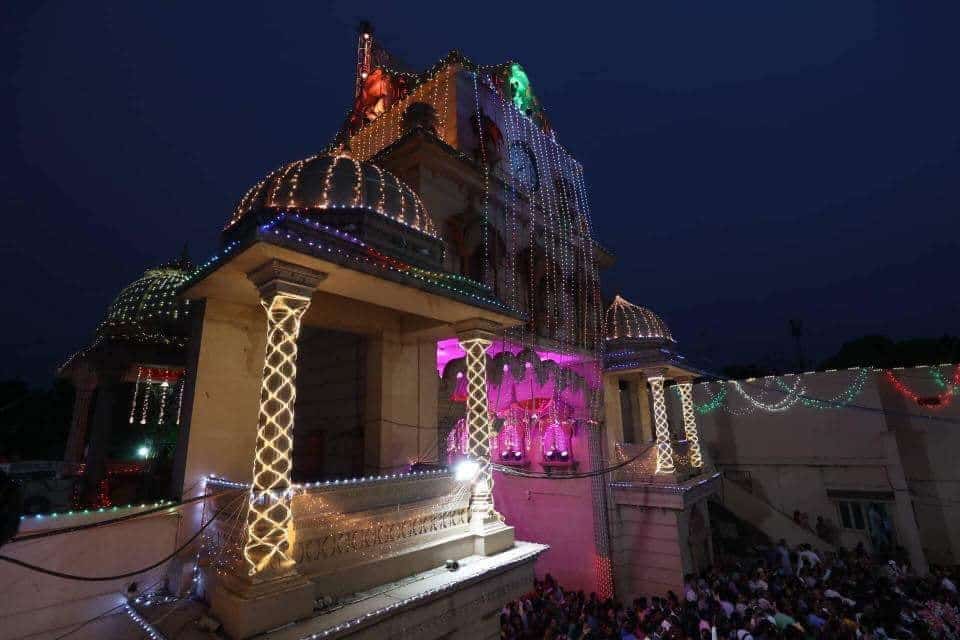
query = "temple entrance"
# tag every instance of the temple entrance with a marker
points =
(331, 378)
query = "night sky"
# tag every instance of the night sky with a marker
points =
(748, 162)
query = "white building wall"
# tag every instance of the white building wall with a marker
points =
(794, 457)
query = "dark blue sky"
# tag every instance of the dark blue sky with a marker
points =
(749, 162)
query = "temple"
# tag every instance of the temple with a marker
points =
(395, 392)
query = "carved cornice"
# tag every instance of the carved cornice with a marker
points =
(276, 277)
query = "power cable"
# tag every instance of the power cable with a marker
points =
(104, 523)
(70, 576)
(513, 471)
(98, 617)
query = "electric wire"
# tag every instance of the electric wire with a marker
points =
(128, 574)
(111, 521)
(99, 616)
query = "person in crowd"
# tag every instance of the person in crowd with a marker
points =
(848, 595)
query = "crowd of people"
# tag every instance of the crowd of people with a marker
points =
(777, 593)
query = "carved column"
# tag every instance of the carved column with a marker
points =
(285, 292)
(685, 388)
(661, 425)
(475, 341)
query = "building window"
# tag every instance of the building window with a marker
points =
(851, 515)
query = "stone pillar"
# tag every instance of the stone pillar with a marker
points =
(108, 393)
(475, 337)
(80, 420)
(266, 591)
(642, 399)
(613, 413)
(285, 292)
(685, 387)
(479, 425)
(661, 424)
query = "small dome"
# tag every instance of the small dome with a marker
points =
(147, 310)
(628, 321)
(336, 181)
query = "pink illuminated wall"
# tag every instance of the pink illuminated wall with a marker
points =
(558, 513)
(542, 402)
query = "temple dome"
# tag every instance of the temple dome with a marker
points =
(335, 181)
(148, 310)
(626, 321)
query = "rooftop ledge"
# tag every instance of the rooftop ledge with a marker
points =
(368, 608)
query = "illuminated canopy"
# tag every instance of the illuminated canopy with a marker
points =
(335, 181)
(629, 321)
(147, 310)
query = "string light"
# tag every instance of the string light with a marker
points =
(685, 390)
(268, 514)
(791, 398)
(939, 401)
(344, 183)
(136, 392)
(626, 320)
(479, 427)
(664, 446)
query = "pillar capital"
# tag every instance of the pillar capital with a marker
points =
(655, 373)
(275, 277)
(476, 329)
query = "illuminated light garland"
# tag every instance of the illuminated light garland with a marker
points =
(136, 392)
(378, 259)
(840, 400)
(939, 401)
(84, 512)
(142, 622)
(664, 446)
(478, 114)
(183, 382)
(268, 515)
(685, 390)
(713, 404)
(146, 396)
(791, 398)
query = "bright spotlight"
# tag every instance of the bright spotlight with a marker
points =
(465, 470)
(143, 451)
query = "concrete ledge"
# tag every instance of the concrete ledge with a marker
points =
(431, 604)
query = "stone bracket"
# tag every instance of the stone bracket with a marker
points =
(275, 277)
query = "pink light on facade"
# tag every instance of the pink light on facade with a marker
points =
(555, 438)
(450, 349)
(457, 442)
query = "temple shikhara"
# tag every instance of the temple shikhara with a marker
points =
(395, 392)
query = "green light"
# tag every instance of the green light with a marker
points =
(522, 94)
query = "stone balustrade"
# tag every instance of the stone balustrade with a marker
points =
(390, 528)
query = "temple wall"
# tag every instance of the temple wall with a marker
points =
(401, 403)
(882, 447)
(328, 423)
(41, 606)
(221, 430)
(558, 513)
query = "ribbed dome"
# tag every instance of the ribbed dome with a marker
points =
(332, 181)
(147, 309)
(628, 321)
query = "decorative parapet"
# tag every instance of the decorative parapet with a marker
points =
(402, 523)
